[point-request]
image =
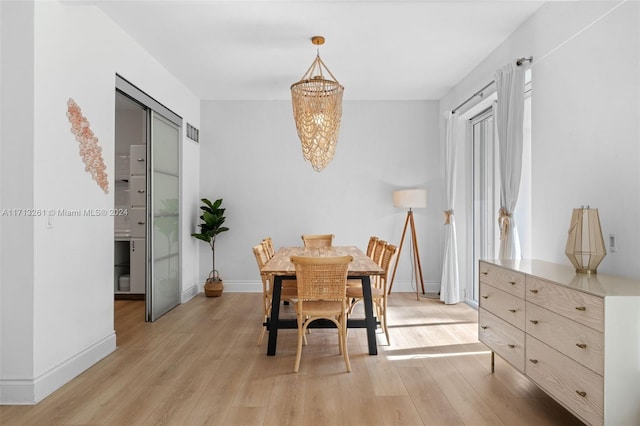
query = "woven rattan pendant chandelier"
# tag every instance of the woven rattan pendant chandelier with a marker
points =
(317, 110)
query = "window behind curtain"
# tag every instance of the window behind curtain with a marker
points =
(486, 190)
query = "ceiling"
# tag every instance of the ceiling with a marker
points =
(378, 50)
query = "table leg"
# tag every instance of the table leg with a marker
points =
(275, 315)
(369, 316)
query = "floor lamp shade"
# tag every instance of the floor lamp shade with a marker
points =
(585, 245)
(410, 198)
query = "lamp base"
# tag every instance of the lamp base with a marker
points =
(416, 255)
(586, 271)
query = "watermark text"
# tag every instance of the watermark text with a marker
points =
(64, 212)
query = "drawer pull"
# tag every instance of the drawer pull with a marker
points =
(140, 223)
(581, 393)
(140, 191)
(484, 327)
(513, 311)
(581, 308)
(534, 291)
(533, 321)
(140, 159)
(512, 282)
(533, 361)
(581, 345)
(485, 297)
(511, 346)
(484, 273)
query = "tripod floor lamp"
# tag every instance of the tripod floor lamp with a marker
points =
(410, 199)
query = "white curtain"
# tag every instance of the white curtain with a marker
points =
(509, 118)
(450, 283)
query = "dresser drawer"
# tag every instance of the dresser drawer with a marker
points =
(503, 338)
(578, 388)
(504, 279)
(575, 340)
(581, 307)
(502, 304)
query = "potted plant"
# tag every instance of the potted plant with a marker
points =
(212, 219)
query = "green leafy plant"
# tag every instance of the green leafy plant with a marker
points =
(212, 219)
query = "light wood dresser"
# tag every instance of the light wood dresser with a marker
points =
(576, 336)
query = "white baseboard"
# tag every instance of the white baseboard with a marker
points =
(189, 293)
(256, 287)
(32, 391)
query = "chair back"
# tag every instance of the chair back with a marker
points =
(262, 258)
(378, 251)
(321, 278)
(319, 240)
(385, 263)
(261, 255)
(267, 243)
(372, 245)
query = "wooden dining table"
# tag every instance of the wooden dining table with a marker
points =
(281, 268)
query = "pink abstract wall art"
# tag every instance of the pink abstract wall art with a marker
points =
(90, 149)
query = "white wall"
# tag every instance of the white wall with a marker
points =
(586, 118)
(16, 166)
(251, 157)
(585, 127)
(76, 53)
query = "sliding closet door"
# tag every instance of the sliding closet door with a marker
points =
(165, 214)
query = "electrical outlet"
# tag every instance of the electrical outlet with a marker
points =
(612, 243)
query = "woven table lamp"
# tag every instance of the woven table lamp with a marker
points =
(585, 245)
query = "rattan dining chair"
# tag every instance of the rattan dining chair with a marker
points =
(322, 283)
(378, 290)
(375, 253)
(378, 251)
(372, 245)
(319, 240)
(267, 243)
(289, 293)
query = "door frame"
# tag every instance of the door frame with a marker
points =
(129, 89)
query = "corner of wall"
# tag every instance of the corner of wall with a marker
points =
(189, 293)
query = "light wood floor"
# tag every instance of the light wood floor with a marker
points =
(199, 364)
